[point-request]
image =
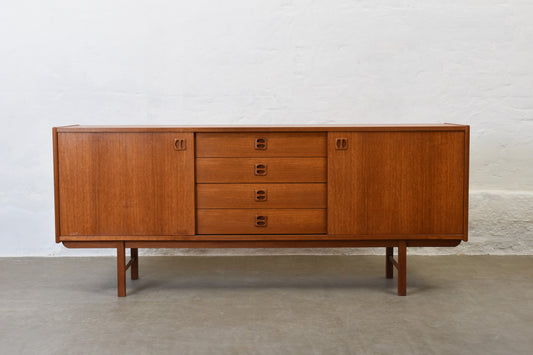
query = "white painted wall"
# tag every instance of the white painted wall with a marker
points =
(268, 62)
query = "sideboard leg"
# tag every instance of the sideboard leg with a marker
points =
(389, 266)
(402, 268)
(121, 270)
(135, 263)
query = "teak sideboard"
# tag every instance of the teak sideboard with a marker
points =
(391, 186)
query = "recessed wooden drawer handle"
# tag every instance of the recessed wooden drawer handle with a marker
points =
(261, 195)
(261, 221)
(260, 143)
(341, 143)
(261, 169)
(180, 144)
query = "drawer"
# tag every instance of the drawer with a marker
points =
(261, 221)
(313, 195)
(236, 170)
(261, 145)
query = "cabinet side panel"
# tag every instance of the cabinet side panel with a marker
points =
(76, 159)
(466, 182)
(346, 187)
(56, 184)
(414, 182)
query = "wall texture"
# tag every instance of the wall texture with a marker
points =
(269, 62)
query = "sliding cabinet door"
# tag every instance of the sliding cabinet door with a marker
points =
(397, 183)
(126, 184)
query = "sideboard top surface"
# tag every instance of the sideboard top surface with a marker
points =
(266, 128)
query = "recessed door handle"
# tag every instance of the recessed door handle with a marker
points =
(260, 144)
(341, 143)
(180, 144)
(261, 169)
(261, 221)
(261, 195)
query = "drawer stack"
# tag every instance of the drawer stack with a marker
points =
(261, 183)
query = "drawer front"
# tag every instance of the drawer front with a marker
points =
(310, 195)
(254, 170)
(261, 145)
(261, 221)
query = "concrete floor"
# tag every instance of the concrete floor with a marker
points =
(267, 305)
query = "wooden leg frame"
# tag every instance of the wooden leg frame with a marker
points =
(122, 267)
(400, 264)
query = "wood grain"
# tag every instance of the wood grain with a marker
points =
(125, 184)
(264, 243)
(402, 268)
(56, 185)
(264, 128)
(399, 183)
(78, 183)
(241, 170)
(135, 265)
(389, 269)
(121, 271)
(466, 182)
(294, 144)
(304, 195)
(242, 221)
(285, 237)
(347, 211)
